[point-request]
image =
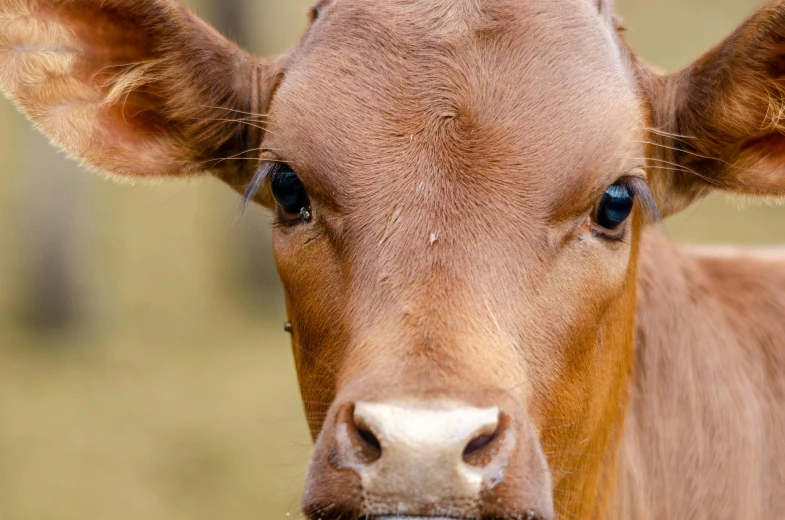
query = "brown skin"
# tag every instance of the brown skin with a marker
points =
(454, 154)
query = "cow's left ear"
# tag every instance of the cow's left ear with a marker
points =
(720, 123)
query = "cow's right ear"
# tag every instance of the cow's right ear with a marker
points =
(136, 89)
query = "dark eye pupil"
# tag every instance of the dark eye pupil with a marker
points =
(615, 206)
(288, 191)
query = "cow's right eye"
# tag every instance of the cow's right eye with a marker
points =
(289, 192)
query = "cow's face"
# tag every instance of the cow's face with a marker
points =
(469, 173)
(459, 187)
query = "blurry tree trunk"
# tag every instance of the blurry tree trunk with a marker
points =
(228, 18)
(257, 278)
(51, 189)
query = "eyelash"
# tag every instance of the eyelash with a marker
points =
(644, 197)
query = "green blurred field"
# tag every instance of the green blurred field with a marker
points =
(174, 395)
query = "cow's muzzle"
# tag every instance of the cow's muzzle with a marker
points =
(435, 455)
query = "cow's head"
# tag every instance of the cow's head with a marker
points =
(459, 189)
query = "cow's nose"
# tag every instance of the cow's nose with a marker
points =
(406, 437)
(430, 455)
(439, 453)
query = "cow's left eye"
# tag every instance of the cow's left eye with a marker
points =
(615, 207)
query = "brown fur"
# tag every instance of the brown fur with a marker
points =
(704, 430)
(454, 152)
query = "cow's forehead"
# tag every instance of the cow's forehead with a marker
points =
(495, 87)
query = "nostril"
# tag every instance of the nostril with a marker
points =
(371, 442)
(478, 444)
(484, 446)
(366, 445)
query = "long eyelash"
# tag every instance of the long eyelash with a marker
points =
(643, 193)
(265, 170)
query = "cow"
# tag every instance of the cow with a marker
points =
(487, 322)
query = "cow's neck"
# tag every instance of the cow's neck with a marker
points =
(702, 428)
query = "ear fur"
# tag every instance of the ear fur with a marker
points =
(720, 123)
(134, 88)
(604, 6)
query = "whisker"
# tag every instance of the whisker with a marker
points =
(575, 453)
(663, 133)
(233, 157)
(558, 427)
(700, 156)
(685, 169)
(548, 445)
(563, 509)
(222, 120)
(232, 110)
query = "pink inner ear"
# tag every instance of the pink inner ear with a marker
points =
(111, 44)
(105, 35)
(759, 167)
(770, 149)
(777, 61)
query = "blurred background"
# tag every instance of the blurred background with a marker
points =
(144, 372)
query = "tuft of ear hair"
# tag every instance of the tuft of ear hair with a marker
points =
(133, 88)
